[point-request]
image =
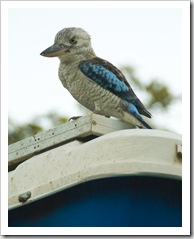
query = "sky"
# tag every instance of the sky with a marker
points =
(148, 39)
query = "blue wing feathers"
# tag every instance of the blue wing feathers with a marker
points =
(103, 77)
(112, 79)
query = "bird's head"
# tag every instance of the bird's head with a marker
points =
(70, 44)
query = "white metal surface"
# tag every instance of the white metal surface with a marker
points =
(124, 152)
(91, 124)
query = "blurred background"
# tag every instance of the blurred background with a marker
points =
(145, 43)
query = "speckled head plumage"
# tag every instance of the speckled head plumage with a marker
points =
(68, 43)
(72, 33)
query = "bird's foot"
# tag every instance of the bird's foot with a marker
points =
(74, 118)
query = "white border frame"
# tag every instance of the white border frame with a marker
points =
(185, 7)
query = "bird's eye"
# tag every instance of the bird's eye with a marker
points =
(72, 41)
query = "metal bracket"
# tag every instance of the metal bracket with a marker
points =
(179, 150)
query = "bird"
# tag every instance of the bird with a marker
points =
(94, 82)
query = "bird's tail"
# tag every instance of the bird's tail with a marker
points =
(136, 120)
(143, 122)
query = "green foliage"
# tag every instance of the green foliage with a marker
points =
(159, 94)
(18, 132)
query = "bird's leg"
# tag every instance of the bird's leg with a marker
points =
(99, 111)
(97, 108)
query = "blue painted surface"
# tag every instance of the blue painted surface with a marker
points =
(112, 202)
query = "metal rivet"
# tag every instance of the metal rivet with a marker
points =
(24, 196)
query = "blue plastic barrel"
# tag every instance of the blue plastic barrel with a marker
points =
(131, 201)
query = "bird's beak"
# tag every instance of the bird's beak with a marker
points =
(55, 50)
